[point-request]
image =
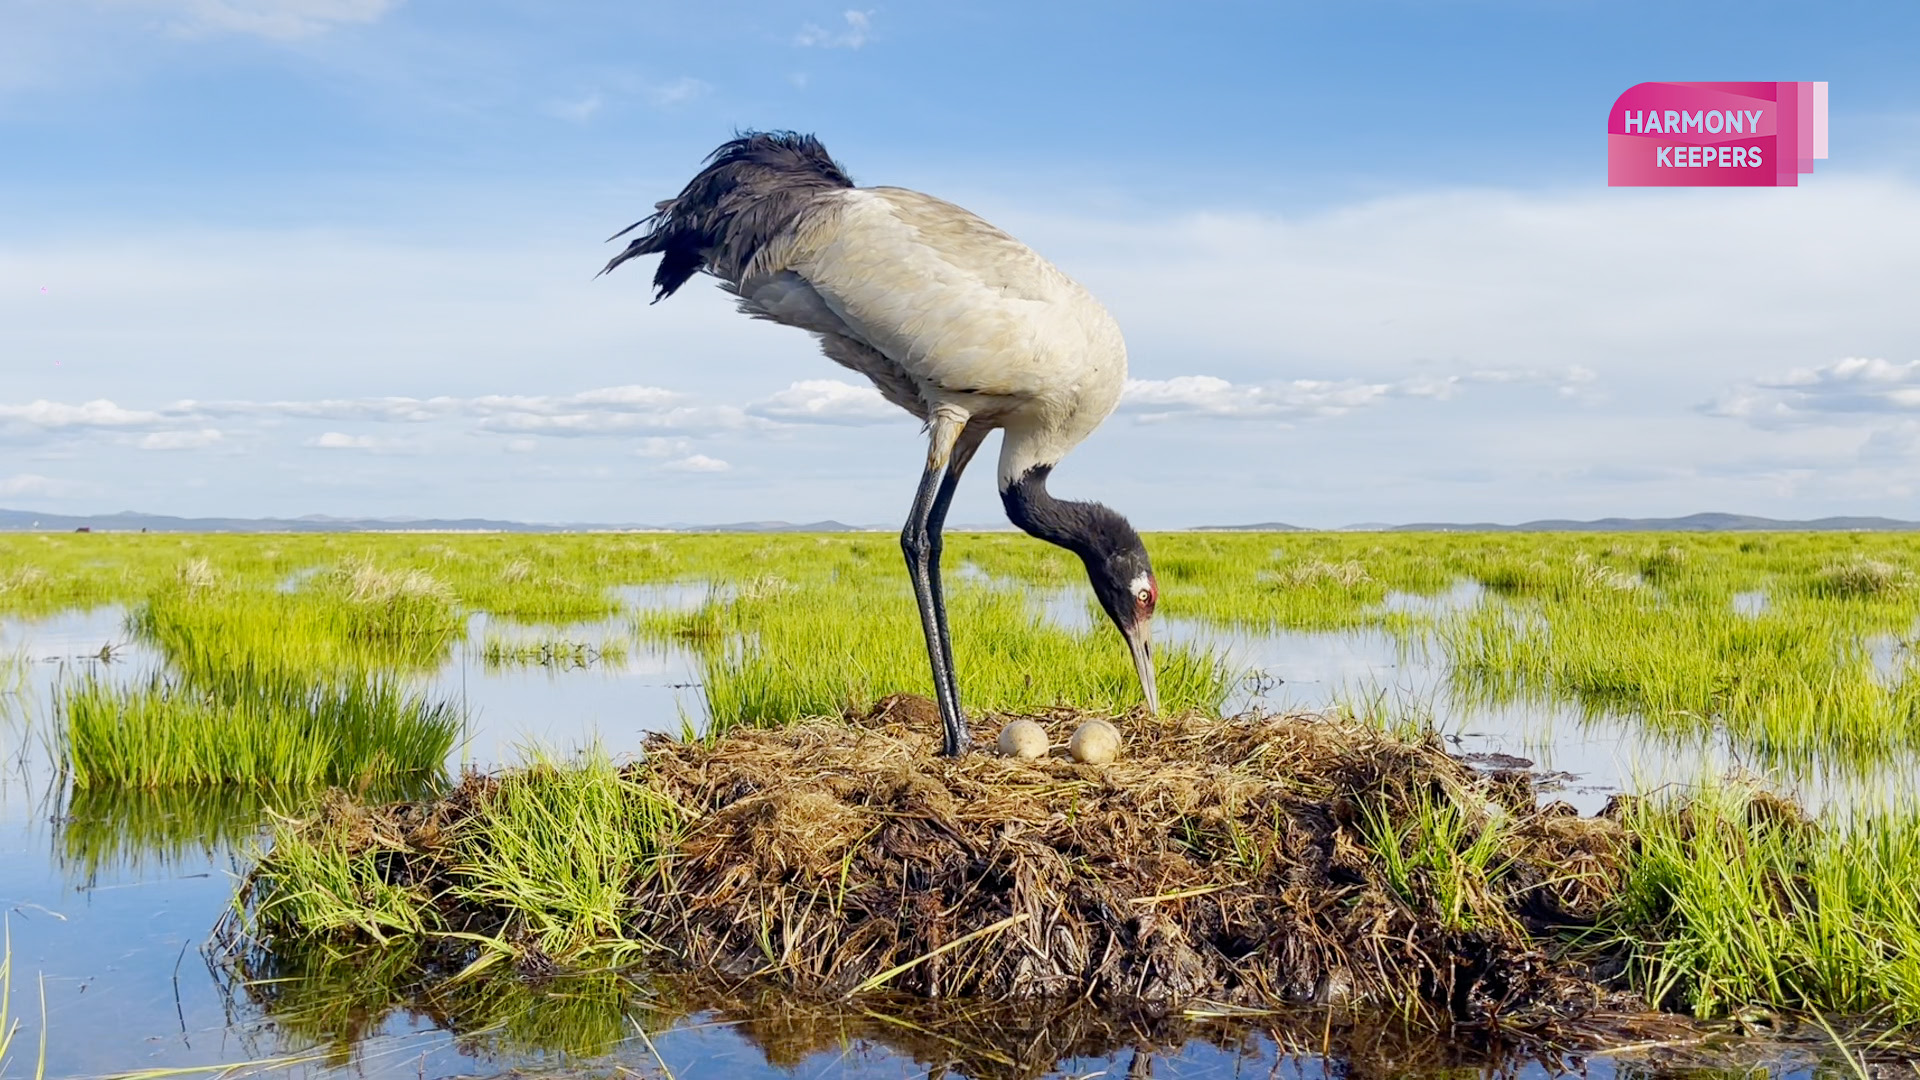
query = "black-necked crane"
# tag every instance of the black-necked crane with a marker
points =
(953, 320)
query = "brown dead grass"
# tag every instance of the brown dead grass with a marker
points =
(1218, 861)
(1219, 864)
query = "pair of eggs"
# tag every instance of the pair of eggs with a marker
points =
(1095, 742)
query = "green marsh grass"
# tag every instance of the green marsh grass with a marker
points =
(772, 652)
(1714, 902)
(354, 616)
(1732, 902)
(558, 846)
(1442, 858)
(10, 1025)
(272, 686)
(562, 845)
(273, 733)
(1795, 682)
(1635, 624)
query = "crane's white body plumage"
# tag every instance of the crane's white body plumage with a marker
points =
(952, 320)
(948, 317)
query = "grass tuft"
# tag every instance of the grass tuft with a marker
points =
(1735, 903)
(275, 733)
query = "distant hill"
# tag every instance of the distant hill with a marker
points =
(1690, 523)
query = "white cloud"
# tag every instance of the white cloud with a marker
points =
(1848, 391)
(614, 411)
(265, 18)
(858, 32)
(337, 440)
(658, 447)
(827, 401)
(677, 92)
(1894, 444)
(522, 446)
(697, 463)
(579, 110)
(1210, 396)
(1493, 302)
(31, 484)
(614, 89)
(181, 440)
(44, 416)
(1157, 399)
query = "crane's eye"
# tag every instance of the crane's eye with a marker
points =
(1144, 596)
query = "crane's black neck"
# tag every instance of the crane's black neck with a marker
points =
(1088, 529)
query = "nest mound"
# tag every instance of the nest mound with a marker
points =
(1251, 862)
(1236, 861)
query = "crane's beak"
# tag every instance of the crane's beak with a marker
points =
(1140, 643)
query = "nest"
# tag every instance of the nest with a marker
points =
(1230, 862)
(1259, 862)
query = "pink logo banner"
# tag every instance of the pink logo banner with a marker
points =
(1716, 134)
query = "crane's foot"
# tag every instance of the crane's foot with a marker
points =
(958, 742)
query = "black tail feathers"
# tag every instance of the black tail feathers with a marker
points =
(751, 189)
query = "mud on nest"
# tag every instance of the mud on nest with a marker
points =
(1255, 861)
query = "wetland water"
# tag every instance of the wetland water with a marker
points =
(110, 900)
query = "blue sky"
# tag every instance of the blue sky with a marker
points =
(336, 256)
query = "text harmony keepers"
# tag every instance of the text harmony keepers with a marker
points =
(1709, 121)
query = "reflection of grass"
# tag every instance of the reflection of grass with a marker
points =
(108, 829)
(335, 1000)
(14, 709)
(13, 672)
(120, 830)
(501, 651)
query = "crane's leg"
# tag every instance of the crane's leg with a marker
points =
(918, 544)
(970, 439)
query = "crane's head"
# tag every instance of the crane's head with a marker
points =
(1117, 563)
(1123, 580)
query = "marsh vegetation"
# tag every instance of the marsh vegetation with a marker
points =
(335, 686)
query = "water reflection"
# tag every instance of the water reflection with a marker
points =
(652, 686)
(118, 833)
(650, 1023)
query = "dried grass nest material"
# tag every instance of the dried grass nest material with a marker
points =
(1220, 862)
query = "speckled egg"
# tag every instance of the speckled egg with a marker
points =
(1023, 739)
(1095, 742)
